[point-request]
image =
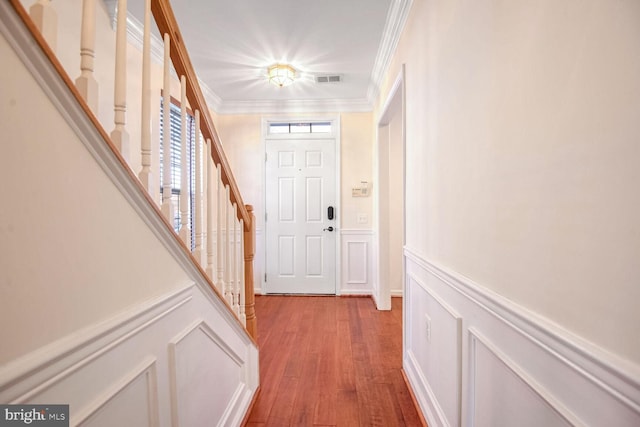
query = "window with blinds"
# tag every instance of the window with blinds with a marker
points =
(178, 188)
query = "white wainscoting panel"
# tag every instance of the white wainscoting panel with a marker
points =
(357, 265)
(132, 401)
(357, 252)
(434, 342)
(121, 371)
(499, 386)
(474, 358)
(202, 364)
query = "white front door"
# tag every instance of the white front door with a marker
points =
(300, 236)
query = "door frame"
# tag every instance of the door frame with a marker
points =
(394, 104)
(335, 135)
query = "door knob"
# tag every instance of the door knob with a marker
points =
(328, 229)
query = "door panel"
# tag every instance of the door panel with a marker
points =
(300, 186)
(286, 199)
(314, 199)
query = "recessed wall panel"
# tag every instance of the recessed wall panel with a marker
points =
(203, 364)
(357, 262)
(501, 391)
(131, 403)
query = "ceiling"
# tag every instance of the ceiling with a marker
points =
(232, 43)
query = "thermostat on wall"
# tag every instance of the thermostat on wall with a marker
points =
(361, 191)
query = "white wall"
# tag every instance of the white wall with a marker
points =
(522, 147)
(103, 307)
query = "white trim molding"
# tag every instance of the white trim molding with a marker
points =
(539, 372)
(266, 106)
(396, 19)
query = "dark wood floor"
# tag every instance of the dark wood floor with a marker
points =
(330, 361)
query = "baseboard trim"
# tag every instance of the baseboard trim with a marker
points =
(254, 399)
(419, 385)
(355, 293)
(423, 421)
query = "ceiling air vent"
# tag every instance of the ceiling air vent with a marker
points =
(336, 78)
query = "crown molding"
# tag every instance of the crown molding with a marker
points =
(111, 6)
(294, 106)
(214, 102)
(135, 31)
(135, 36)
(396, 19)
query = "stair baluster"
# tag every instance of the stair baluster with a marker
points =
(45, 18)
(145, 175)
(221, 284)
(119, 135)
(228, 289)
(198, 217)
(167, 205)
(242, 290)
(185, 235)
(211, 177)
(86, 82)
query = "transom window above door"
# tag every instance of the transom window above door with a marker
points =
(300, 127)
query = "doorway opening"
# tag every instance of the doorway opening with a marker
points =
(302, 206)
(390, 203)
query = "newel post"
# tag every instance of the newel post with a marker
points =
(249, 290)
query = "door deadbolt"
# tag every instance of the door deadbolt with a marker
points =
(330, 212)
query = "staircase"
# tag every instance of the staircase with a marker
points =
(131, 298)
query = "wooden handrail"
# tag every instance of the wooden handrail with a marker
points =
(166, 22)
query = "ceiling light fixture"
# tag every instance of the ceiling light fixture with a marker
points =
(281, 74)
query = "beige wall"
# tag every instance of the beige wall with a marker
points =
(522, 154)
(241, 137)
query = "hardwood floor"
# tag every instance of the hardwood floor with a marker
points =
(330, 361)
